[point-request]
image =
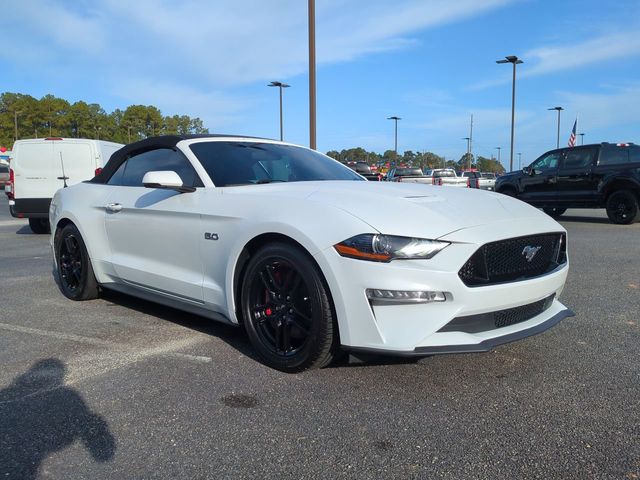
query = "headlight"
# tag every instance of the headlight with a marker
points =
(384, 248)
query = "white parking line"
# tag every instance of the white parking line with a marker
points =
(9, 223)
(132, 352)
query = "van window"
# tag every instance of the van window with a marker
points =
(4, 169)
(131, 172)
(612, 155)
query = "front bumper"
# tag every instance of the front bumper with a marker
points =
(483, 346)
(418, 329)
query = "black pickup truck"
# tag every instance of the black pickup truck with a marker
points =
(605, 175)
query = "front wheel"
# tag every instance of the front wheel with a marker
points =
(622, 207)
(554, 212)
(75, 273)
(287, 309)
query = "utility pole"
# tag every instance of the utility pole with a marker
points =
(471, 141)
(312, 74)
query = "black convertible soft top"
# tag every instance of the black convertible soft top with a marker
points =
(151, 143)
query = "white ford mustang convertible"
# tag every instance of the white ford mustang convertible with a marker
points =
(307, 255)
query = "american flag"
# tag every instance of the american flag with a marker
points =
(572, 137)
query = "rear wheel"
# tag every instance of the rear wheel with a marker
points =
(39, 225)
(554, 212)
(509, 192)
(287, 309)
(622, 207)
(75, 274)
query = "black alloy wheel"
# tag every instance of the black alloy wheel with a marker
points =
(554, 212)
(622, 207)
(75, 273)
(287, 309)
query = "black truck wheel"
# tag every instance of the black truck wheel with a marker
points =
(622, 207)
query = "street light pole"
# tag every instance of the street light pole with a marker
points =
(498, 148)
(395, 143)
(312, 74)
(515, 61)
(559, 109)
(280, 85)
(581, 138)
(519, 161)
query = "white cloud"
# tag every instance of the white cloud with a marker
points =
(551, 59)
(566, 57)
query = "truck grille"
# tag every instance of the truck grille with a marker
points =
(514, 259)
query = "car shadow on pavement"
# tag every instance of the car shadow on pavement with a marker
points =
(40, 415)
(580, 219)
(235, 337)
(25, 230)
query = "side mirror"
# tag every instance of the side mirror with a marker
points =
(168, 180)
(526, 171)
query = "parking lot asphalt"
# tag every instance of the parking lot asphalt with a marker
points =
(122, 388)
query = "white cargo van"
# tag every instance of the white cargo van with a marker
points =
(39, 167)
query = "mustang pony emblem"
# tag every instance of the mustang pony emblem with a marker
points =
(529, 252)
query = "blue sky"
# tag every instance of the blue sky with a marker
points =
(431, 62)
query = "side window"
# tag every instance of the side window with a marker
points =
(547, 162)
(578, 158)
(612, 155)
(116, 178)
(634, 154)
(134, 169)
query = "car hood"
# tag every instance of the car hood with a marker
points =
(415, 210)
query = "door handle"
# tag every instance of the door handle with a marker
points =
(114, 207)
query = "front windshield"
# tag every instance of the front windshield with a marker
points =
(246, 163)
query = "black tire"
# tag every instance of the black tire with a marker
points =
(39, 225)
(509, 192)
(75, 273)
(622, 207)
(287, 309)
(554, 212)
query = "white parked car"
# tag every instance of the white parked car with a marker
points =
(305, 254)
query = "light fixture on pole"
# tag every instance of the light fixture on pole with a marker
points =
(581, 138)
(559, 109)
(515, 61)
(498, 148)
(395, 142)
(280, 86)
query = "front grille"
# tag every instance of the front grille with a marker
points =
(511, 316)
(501, 318)
(506, 260)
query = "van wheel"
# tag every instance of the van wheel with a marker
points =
(554, 212)
(622, 207)
(39, 225)
(75, 273)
